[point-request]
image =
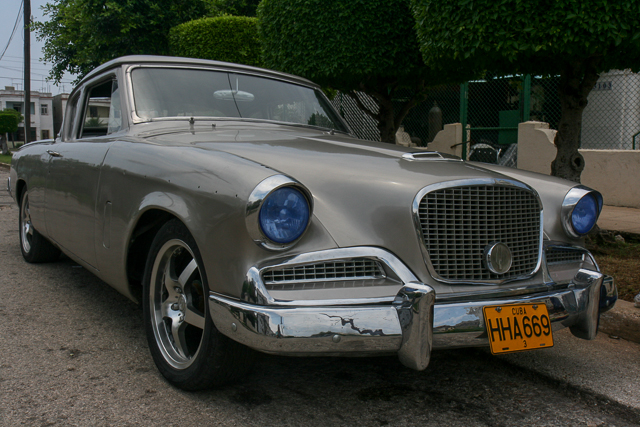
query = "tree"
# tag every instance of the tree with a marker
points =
(349, 45)
(9, 120)
(79, 35)
(574, 39)
(224, 38)
(234, 7)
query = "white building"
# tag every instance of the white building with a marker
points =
(611, 119)
(41, 113)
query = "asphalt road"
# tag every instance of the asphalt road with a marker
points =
(74, 353)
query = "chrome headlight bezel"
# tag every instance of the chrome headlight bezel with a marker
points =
(255, 202)
(571, 199)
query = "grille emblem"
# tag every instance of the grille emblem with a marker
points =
(498, 258)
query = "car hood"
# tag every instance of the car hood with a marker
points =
(363, 191)
(322, 161)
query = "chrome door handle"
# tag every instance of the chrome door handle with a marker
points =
(54, 153)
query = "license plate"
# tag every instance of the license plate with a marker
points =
(518, 327)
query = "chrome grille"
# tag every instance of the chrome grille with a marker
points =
(457, 224)
(353, 269)
(563, 256)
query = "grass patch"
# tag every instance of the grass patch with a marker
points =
(622, 261)
(5, 159)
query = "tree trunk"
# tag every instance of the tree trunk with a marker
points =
(386, 121)
(4, 148)
(576, 81)
(387, 118)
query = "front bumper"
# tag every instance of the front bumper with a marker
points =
(411, 326)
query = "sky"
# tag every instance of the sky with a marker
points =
(11, 64)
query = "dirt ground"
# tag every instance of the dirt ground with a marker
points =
(620, 260)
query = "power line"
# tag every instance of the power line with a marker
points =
(39, 64)
(15, 27)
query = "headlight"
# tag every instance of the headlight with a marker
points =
(284, 215)
(278, 212)
(580, 210)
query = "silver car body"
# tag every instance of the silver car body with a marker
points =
(99, 198)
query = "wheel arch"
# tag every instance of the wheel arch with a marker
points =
(21, 186)
(144, 231)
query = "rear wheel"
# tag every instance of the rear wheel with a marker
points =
(184, 343)
(35, 248)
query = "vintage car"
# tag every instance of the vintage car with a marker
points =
(237, 206)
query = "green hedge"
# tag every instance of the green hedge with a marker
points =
(341, 43)
(224, 38)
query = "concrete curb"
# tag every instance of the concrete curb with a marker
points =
(623, 321)
(5, 166)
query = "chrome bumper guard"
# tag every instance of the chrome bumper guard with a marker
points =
(411, 326)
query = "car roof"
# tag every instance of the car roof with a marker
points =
(175, 60)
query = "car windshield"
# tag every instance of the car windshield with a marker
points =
(181, 92)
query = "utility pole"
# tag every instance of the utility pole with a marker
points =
(27, 71)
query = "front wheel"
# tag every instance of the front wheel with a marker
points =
(184, 343)
(34, 246)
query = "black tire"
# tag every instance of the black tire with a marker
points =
(185, 345)
(34, 246)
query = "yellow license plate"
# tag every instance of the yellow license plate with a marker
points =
(518, 327)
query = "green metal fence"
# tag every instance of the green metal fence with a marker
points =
(490, 110)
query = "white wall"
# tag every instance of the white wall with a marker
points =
(614, 173)
(612, 115)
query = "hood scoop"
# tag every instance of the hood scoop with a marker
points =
(420, 156)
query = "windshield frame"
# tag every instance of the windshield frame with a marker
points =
(135, 119)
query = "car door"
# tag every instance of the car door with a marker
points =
(74, 170)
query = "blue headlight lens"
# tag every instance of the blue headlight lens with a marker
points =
(284, 215)
(585, 214)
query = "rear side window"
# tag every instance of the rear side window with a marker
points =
(102, 114)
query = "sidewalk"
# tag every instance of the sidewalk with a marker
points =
(614, 218)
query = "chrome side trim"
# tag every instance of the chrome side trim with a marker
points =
(255, 292)
(569, 203)
(464, 183)
(254, 203)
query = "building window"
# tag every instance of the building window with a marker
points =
(45, 132)
(44, 109)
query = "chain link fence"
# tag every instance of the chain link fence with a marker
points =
(424, 121)
(611, 119)
(492, 109)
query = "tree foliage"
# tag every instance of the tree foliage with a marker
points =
(82, 34)
(348, 45)
(9, 120)
(233, 7)
(224, 38)
(574, 39)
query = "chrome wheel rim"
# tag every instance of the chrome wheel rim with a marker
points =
(177, 301)
(26, 229)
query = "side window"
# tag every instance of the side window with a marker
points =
(102, 115)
